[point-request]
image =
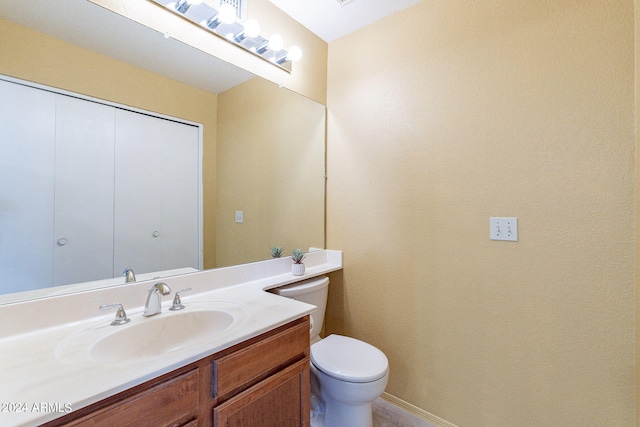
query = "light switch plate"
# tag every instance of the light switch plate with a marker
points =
(504, 228)
(239, 217)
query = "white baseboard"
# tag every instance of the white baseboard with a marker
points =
(417, 412)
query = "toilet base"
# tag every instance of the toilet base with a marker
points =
(317, 420)
(338, 414)
(362, 417)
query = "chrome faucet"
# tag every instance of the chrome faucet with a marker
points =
(153, 305)
(129, 275)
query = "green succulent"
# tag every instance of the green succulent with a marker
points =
(297, 256)
(276, 251)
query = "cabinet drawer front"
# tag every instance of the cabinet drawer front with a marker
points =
(170, 403)
(246, 367)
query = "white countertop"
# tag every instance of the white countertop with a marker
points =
(36, 386)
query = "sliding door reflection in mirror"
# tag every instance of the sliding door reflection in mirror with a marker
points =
(88, 189)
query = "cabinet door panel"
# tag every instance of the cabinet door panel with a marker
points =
(157, 193)
(83, 191)
(274, 402)
(27, 138)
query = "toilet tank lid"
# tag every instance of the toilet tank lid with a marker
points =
(302, 287)
(349, 359)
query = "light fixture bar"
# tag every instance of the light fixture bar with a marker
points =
(225, 25)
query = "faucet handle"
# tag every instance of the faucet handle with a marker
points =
(121, 316)
(177, 303)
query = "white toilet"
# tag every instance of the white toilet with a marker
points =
(349, 373)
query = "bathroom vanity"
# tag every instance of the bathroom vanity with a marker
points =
(265, 378)
(236, 355)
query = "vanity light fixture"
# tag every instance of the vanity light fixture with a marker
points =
(227, 14)
(222, 21)
(183, 5)
(295, 54)
(251, 28)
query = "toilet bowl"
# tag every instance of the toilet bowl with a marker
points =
(351, 374)
(347, 374)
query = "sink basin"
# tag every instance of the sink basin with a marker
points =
(198, 324)
(160, 334)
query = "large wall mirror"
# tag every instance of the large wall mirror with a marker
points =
(263, 154)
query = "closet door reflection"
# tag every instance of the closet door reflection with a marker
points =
(83, 247)
(88, 189)
(157, 193)
(27, 132)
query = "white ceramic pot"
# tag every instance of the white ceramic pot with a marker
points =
(297, 269)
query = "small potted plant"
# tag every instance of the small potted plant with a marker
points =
(297, 269)
(276, 251)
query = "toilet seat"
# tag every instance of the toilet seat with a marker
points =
(348, 359)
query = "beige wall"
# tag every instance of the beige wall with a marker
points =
(454, 111)
(39, 58)
(271, 165)
(637, 206)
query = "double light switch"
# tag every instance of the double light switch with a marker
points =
(504, 228)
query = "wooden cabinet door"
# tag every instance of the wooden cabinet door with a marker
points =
(278, 401)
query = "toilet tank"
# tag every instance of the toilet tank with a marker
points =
(312, 291)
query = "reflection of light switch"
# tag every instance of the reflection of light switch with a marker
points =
(239, 216)
(504, 229)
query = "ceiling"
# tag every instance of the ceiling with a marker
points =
(82, 23)
(332, 19)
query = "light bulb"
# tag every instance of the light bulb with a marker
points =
(195, 2)
(294, 54)
(227, 14)
(251, 28)
(276, 43)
